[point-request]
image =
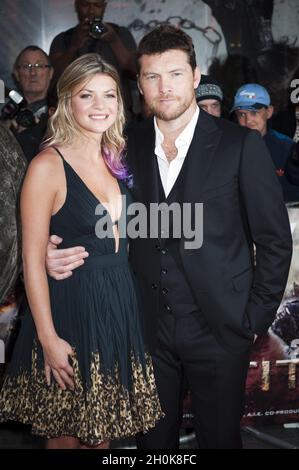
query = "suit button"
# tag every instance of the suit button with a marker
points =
(164, 271)
(154, 286)
(158, 248)
(168, 308)
(164, 291)
(164, 251)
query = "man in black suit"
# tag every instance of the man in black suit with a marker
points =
(202, 306)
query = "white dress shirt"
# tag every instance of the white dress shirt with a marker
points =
(170, 171)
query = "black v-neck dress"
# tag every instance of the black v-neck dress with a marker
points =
(97, 312)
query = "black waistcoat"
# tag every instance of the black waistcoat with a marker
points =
(175, 292)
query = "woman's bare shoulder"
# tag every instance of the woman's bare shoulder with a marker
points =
(47, 162)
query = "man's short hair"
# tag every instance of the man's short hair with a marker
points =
(164, 38)
(31, 48)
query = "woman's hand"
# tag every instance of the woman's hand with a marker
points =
(56, 356)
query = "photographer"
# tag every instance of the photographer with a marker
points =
(26, 112)
(114, 43)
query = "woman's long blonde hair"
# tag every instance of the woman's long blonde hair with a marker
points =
(63, 128)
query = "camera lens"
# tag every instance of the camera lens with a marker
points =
(96, 28)
(25, 118)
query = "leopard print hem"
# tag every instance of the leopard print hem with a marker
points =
(105, 409)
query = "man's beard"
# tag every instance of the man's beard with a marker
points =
(168, 115)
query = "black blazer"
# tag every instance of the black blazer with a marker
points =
(230, 170)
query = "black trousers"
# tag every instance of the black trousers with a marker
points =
(187, 349)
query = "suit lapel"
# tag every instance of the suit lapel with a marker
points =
(200, 156)
(147, 165)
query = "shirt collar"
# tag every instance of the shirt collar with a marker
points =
(185, 136)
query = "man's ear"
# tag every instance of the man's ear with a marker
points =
(270, 111)
(197, 77)
(138, 84)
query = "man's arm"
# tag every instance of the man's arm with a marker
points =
(61, 263)
(124, 47)
(62, 54)
(270, 230)
(121, 42)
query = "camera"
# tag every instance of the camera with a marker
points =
(12, 107)
(96, 28)
(15, 108)
(25, 118)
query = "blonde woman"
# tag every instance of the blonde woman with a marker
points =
(80, 374)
